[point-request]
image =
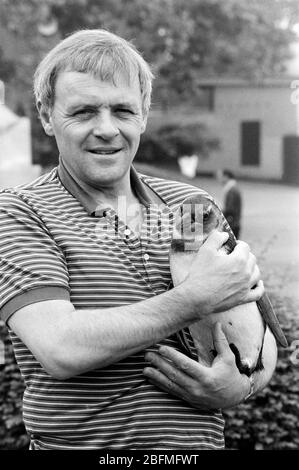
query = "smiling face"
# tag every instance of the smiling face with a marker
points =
(97, 127)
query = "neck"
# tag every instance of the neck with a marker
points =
(109, 194)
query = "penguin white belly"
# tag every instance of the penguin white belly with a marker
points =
(251, 341)
(243, 327)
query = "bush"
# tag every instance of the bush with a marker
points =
(12, 431)
(44, 149)
(170, 141)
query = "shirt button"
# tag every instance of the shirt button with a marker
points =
(127, 231)
(146, 256)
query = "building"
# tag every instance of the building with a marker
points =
(256, 123)
(15, 147)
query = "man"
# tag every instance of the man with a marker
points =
(232, 204)
(85, 293)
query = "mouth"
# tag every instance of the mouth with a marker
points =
(104, 151)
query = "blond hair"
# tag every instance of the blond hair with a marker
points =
(98, 52)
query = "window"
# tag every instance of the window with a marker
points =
(250, 143)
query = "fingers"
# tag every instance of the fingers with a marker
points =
(220, 341)
(255, 276)
(164, 383)
(216, 239)
(172, 379)
(241, 249)
(256, 292)
(187, 366)
(174, 374)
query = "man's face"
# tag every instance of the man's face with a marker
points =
(97, 126)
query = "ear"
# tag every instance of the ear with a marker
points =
(45, 117)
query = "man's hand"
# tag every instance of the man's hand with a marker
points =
(218, 386)
(217, 282)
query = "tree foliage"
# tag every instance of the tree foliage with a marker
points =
(169, 141)
(184, 40)
(7, 68)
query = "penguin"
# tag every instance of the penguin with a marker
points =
(250, 328)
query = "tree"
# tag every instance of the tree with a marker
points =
(183, 40)
(167, 142)
(7, 68)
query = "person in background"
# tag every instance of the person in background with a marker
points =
(232, 201)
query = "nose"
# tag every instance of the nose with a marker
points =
(104, 127)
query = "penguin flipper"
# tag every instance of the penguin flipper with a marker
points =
(268, 314)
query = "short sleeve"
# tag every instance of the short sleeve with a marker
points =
(32, 266)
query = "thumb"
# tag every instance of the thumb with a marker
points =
(220, 341)
(216, 240)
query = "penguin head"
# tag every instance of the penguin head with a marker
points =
(195, 218)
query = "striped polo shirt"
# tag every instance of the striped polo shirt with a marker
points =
(54, 246)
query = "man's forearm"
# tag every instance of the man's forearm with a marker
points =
(97, 338)
(69, 341)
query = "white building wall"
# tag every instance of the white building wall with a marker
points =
(278, 116)
(15, 150)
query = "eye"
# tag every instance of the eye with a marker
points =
(124, 111)
(83, 112)
(207, 214)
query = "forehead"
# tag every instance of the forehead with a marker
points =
(76, 87)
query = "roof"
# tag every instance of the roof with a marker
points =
(235, 82)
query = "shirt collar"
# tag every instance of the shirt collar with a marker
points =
(145, 194)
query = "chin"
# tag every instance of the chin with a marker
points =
(106, 176)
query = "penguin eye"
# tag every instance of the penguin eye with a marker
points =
(206, 214)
